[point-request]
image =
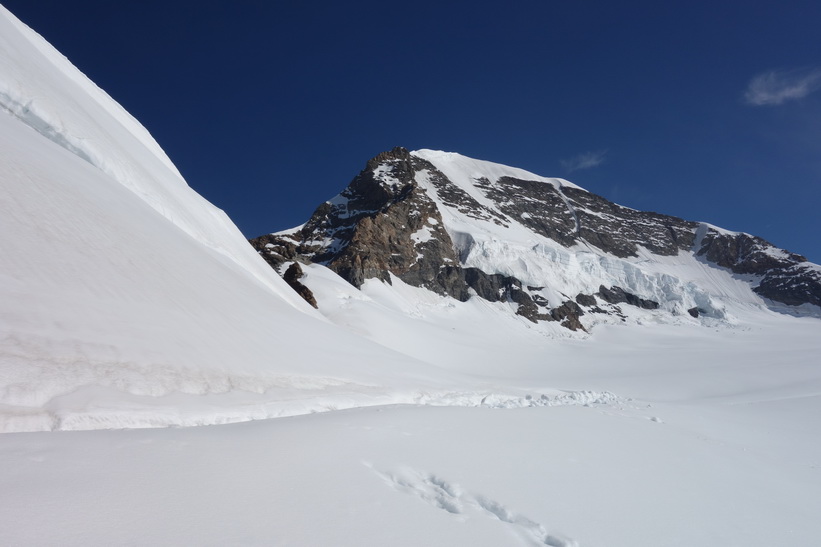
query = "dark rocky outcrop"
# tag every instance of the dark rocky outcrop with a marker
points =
(567, 215)
(292, 276)
(569, 313)
(381, 224)
(783, 276)
(585, 299)
(617, 295)
(620, 230)
(792, 285)
(276, 250)
(497, 287)
(491, 287)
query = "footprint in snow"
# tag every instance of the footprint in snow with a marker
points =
(451, 498)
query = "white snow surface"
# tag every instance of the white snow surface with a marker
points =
(403, 418)
(672, 436)
(42, 89)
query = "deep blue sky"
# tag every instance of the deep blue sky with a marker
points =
(268, 108)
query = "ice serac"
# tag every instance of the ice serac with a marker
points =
(463, 227)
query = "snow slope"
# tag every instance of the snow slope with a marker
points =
(42, 89)
(128, 301)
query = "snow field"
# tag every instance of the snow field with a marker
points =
(404, 475)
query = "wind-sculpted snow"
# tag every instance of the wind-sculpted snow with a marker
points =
(530, 400)
(72, 395)
(28, 114)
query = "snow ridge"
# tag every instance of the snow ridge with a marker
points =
(42, 89)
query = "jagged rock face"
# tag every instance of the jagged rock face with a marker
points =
(792, 285)
(619, 230)
(784, 277)
(617, 295)
(389, 221)
(407, 238)
(568, 313)
(538, 206)
(744, 254)
(569, 215)
(585, 300)
(382, 223)
(456, 198)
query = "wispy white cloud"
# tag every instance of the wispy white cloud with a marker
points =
(585, 160)
(778, 86)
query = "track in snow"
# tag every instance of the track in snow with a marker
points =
(449, 497)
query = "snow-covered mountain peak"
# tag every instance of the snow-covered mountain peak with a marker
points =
(462, 170)
(463, 227)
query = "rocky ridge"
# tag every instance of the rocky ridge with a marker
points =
(389, 222)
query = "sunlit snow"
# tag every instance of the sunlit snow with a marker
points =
(391, 416)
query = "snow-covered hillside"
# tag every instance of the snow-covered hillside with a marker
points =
(413, 417)
(129, 300)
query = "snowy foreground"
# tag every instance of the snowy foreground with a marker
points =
(686, 438)
(391, 416)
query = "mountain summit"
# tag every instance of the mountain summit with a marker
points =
(462, 227)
